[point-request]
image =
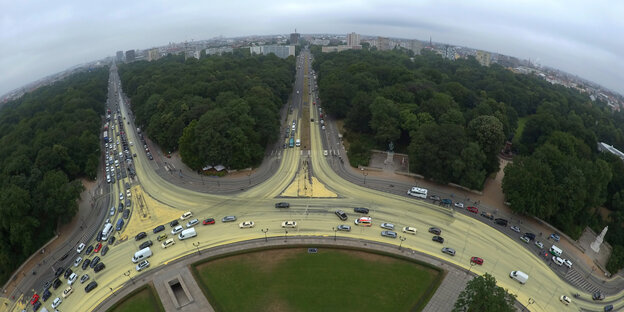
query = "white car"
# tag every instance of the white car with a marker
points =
(112, 211)
(68, 291)
(192, 223)
(246, 224)
(72, 278)
(80, 248)
(459, 205)
(525, 239)
(128, 194)
(168, 243)
(121, 197)
(557, 260)
(387, 226)
(289, 224)
(56, 302)
(409, 230)
(177, 229)
(186, 215)
(142, 265)
(565, 300)
(567, 263)
(539, 244)
(515, 229)
(77, 261)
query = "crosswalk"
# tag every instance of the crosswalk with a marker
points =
(577, 279)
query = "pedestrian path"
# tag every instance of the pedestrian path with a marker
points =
(577, 279)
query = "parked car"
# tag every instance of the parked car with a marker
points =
(57, 282)
(159, 228)
(228, 219)
(89, 250)
(344, 227)
(539, 245)
(126, 213)
(459, 205)
(449, 251)
(476, 260)
(177, 229)
(68, 291)
(111, 240)
(68, 272)
(34, 299)
(57, 301)
(173, 223)
(555, 237)
(387, 226)
(525, 239)
(91, 286)
(80, 248)
(209, 221)
(341, 215)
(97, 247)
(77, 261)
(140, 236)
(94, 262)
(192, 223)
(567, 263)
(501, 221)
(146, 244)
(99, 267)
(104, 250)
(390, 234)
(473, 209)
(186, 215)
(86, 263)
(434, 197)
(487, 215)
(447, 201)
(557, 260)
(142, 265)
(161, 237)
(168, 243)
(530, 236)
(361, 210)
(515, 229)
(435, 230)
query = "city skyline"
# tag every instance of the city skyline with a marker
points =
(45, 38)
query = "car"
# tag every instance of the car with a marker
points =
(598, 296)
(282, 205)
(557, 260)
(142, 265)
(565, 300)
(99, 236)
(67, 273)
(192, 223)
(46, 295)
(59, 272)
(515, 229)
(95, 261)
(525, 239)
(246, 224)
(173, 223)
(487, 215)
(289, 224)
(57, 283)
(104, 250)
(434, 197)
(228, 219)
(361, 210)
(77, 261)
(128, 203)
(473, 209)
(146, 244)
(447, 201)
(344, 227)
(459, 205)
(57, 301)
(476, 260)
(341, 215)
(186, 215)
(449, 251)
(555, 237)
(539, 245)
(121, 196)
(168, 243)
(120, 207)
(159, 228)
(68, 291)
(438, 239)
(161, 237)
(72, 278)
(409, 230)
(140, 236)
(567, 263)
(99, 267)
(208, 221)
(126, 214)
(80, 248)
(435, 230)
(530, 236)
(128, 193)
(84, 278)
(86, 263)
(97, 247)
(34, 299)
(387, 226)
(91, 286)
(177, 229)
(501, 221)
(390, 234)
(608, 308)
(128, 184)
(112, 211)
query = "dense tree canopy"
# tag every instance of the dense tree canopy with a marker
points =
(50, 138)
(220, 110)
(482, 295)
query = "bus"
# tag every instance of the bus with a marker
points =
(291, 142)
(418, 192)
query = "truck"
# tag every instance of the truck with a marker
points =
(139, 130)
(106, 136)
(106, 126)
(291, 142)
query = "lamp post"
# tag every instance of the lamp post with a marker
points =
(471, 265)
(127, 273)
(285, 235)
(335, 231)
(249, 176)
(266, 239)
(530, 302)
(364, 173)
(402, 239)
(196, 244)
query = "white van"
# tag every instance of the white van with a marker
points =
(108, 228)
(142, 254)
(556, 251)
(519, 276)
(188, 233)
(298, 142)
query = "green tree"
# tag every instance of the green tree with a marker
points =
(384, 120)
(483, 295)
(488, 132)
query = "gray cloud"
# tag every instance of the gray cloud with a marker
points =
(41, 37)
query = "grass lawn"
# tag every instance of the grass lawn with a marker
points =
(521, 122)
(294, 280)
(142, 299)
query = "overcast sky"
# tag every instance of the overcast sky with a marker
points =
(585, 38)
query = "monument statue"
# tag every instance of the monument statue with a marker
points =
(391, 147)
(595, 246)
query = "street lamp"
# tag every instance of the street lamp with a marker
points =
(249, 176)
(471, 265)
(266, 239)
(402, 239)
(365, 174)
(127, 273)
(197, 246)
(285, 235)
(335, 231)
(531, 301)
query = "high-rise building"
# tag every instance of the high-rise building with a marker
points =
(119, 56)
(130, 56)
(383, 43)
(484, 58)
(294, 38)
(353, 39)
(153, 54)
(416, 46)
(279, 50)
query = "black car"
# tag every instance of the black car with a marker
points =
(435, 230)
(47, 285)
(68, 272)
(104, 250)
(126, 213)
(173, 223)
(56, 284)
(89, 250)
(58, 272)
(501, 221)
(530, 236)
(282, 205)
(487, 215)
(85, 263)
(435, 197)
(128, 203)
(46, 295)
(99, 236)
(99, 267)
(140, 236)
(120, 207)
(341, 214)
(91, 286)
(127, 186)
(598, 296)
(111, 240)
(159, 229)
(94, 262)
(608, 308)
(361, 210)
(37, 305)
(438, 239)
(146, 244)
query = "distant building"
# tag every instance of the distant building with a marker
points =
(130, 56)
(191, 54)
(218, 51)
(321, 42)
(294, 38)
(383, 43)
(604, 147)
(353, 39)
(340, 48)
(279, 50)
(484, 58)
(153, 54)
(416, 46)
(120, 56)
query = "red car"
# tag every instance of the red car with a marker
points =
(476, 260)
(34, 299)
(209, 221)
(98, 247)
(473, 209)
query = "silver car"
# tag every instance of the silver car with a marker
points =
(228, 219)
(387, 226)
(390, 234)
(344, 227)
(449, 251)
